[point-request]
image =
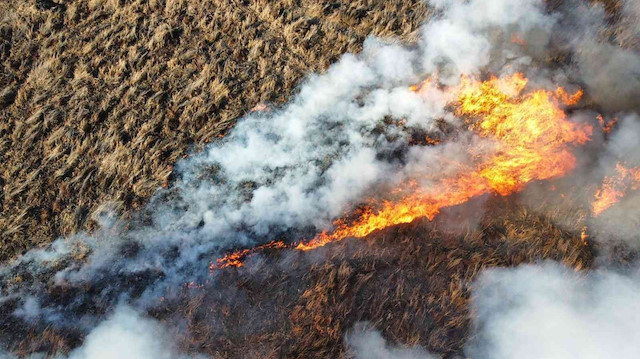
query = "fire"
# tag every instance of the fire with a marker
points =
(532, 138)
(607, 126)
(235, 259)
(259, 107)
(614, 188)
(584, 235)
(432, 141)
(517, 39)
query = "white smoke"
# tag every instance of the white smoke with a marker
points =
(298, 167)
(540, 311)
(125, 334)
(612, 75)
(469, 36)
(625, 140)
(369, 344)
(128, 335)
(628, 33)
(548, 311)
(305, 164)
(620, 223)
(610, 72)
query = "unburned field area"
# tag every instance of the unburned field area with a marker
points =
(99, 98)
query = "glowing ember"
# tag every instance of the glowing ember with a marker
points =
(517, 39)
(584, 235)
(607, 126)
(235, 259)
(614, 188)
(432, 141)
(259, 107)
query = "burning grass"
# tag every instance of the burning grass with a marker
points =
(615, 187)
(532, 139)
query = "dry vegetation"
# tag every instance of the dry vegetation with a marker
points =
(99, 98)
(412, 282)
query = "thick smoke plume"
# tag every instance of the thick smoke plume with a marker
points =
(540, 311)
(369, 344)
(548, 311)
(286, 173)
(125, 334)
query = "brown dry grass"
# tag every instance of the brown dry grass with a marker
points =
(412, 282)
(99, 100)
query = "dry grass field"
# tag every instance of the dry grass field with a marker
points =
(99, 98)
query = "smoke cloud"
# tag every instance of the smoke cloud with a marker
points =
(549, 311)
(369, 344)
(540, 311)
(288, 172)
(612, 75)
(125, 334)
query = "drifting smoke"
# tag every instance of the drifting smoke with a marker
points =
(620, 87)
(540, 311)
(125, 334)
(615, 206)
(287, 173)
(549, 311)
(366, 343)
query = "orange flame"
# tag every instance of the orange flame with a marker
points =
(235, 259)
(432, 141)
(584, 235)
(532, 138)
(424, 86)
(259, 107)
(614, 188)
(607, 126)
(517, 39)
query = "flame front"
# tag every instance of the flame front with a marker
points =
(614, 188)
(607, 126)
(236, 259)
(531, 139)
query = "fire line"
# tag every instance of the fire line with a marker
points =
(532, 138)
